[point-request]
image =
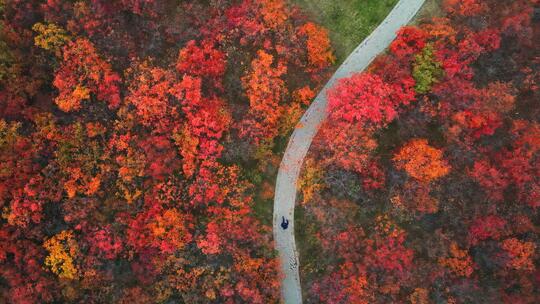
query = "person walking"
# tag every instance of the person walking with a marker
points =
(284, 223)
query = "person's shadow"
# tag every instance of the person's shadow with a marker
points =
(284, 223)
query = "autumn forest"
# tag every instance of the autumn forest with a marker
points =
(140, 142)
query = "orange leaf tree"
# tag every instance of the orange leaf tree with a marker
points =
(84, 74)
(421, 161)
(265, 90)
(319, 50)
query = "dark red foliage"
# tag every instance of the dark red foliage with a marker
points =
(162, 160)
(21, 259)
(491, 179)
(483, 228)
(104, 243)
(389, 254)
(123, 173)
(410, 40)
(450, 193)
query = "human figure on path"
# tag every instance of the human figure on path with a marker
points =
(284, 223)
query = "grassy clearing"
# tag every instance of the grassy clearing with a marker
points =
(349, 21)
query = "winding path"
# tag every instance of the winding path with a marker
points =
(300, 141)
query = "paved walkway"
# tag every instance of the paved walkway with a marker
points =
(300, 141)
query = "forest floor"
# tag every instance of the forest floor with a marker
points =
(300, 141)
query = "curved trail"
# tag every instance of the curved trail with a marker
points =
(301, 138)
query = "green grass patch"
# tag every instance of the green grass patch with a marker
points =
(263, 211)
(348, 21)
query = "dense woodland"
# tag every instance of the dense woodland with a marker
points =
(424, 184)
(137, 142)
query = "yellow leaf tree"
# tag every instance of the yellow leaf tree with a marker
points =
(63, 249)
